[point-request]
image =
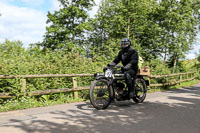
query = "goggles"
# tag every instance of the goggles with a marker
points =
(124, 44)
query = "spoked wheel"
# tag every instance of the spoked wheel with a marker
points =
(100, 94)
(140, 90)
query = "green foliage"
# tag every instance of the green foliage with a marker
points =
(178, 86)
(159, 67)
(191, 65)
(15, 60)
(198, 58)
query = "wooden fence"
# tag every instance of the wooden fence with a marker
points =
(175, 78)
(168, 78)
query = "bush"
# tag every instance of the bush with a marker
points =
(15, 60)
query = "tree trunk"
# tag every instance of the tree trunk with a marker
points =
(128, 27)
(165, 56)
(175, 62)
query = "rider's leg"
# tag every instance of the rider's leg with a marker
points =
(128, 78)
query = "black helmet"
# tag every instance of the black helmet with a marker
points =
(125, 42)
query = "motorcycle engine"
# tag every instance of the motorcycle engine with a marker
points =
(119, 90)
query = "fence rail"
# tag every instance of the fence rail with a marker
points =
(44, 76)
(188, 76)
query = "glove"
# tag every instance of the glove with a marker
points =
(109, 65)
(105, 68)
(112, 64)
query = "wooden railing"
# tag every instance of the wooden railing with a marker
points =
(182, 77)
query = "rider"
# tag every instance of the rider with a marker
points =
(129, 58)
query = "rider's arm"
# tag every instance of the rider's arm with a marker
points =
(128, 66)
(118, 58)
(112, 64)
(134, 59)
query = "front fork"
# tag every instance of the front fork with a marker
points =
(111, 89)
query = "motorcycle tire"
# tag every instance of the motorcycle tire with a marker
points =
(100, 94)
(140, 90)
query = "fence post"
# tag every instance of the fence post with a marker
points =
(167, 79)
(75, 86)
(23, 83)
(149, 78)
(180, 79)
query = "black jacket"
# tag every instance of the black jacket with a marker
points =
(129, 58)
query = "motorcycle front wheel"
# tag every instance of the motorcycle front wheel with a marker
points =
(100, 94)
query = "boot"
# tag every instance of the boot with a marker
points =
(131, 95)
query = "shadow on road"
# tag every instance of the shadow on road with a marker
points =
(178, 114)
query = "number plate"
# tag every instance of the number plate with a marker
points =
(108, 73)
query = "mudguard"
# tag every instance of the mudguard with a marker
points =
(98, 76)
(147, 82)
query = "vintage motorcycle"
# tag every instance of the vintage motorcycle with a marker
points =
(110, 85)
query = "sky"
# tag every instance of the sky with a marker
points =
(25, 20)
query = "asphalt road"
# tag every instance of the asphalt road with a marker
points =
(163, 112)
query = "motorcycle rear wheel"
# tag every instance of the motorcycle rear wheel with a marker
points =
(140, 90)
(100, 94)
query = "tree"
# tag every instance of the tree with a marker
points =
(117, 19)
(179, 23)
(67, 26)
(198, 58)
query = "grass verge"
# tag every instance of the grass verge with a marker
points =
(167, 88)
(40, 101)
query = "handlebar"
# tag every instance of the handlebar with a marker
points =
(114, 66)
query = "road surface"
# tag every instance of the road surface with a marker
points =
(162, 112)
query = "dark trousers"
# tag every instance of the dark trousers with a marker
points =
(128, 78)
